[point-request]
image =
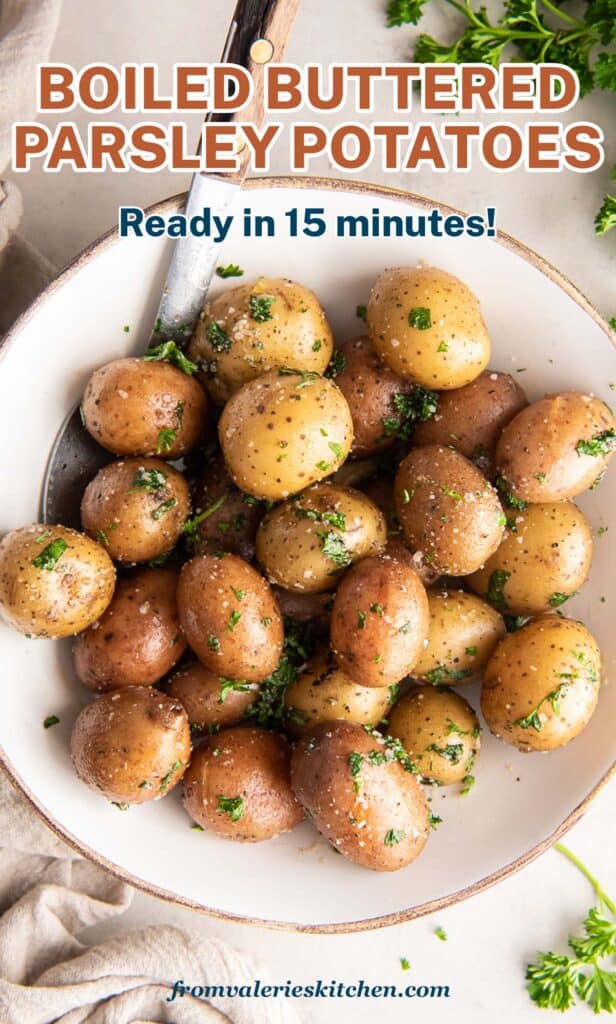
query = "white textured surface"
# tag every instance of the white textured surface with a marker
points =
(491, 937)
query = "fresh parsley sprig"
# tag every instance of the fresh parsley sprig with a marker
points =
(555, 980)
(534, 30)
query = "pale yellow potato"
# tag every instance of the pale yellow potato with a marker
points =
(54, 582)
(284, 431)
(543, 453)
(542, 560)
(463, 632)
(541, 685)
(323, 693)
(447, 510)
(252, 328)
(439, 731)
(427, 326)
(306, 542)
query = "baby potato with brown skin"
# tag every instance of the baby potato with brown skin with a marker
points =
(238, 786)
(304, 543)
(463, 633)
(369, 387)
(54, 581)
(136, 407)
(359, 796)
(379, 621)
(426, 325)
(132, 745)
(439, 731)
(555, 448)
(542, 562)
(211, 702)
(230, 617)
(471, 419)
(303, 607)
(541, 685)
(284, 431)
(323, 693)
(136, 508)
(447, 510)
(252, 328)
(228, 519)
(138, 639)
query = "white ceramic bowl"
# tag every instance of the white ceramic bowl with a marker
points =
(540, 326)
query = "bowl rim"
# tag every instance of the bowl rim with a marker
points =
(422, 909)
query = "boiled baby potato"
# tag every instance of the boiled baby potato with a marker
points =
(238, 786)
(136, 508)
(463, 632)
(379, 620)
(541, 685)
(284, 431)
(224, 518)
(230, 617)
(304, 543)
(439, 731)
(136, 407)
(323, 693)
(371, 389)
(132, 745)
(426, 325)
(54, 582)
(471, 419)
(542, 560)
(253, 328)
(212, 702)
(555, 448)
(447, 510)
(361, 794)
(138, 639)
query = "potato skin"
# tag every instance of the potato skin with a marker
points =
(374, 814)
(292, 538)
(369, 387)
(472, 418)
(303, 607)
(232, 525)
(121, 509)
(440, 732)
(284, 431)
(323, 693)
(548, 656)
(447, 353)
(379, 621)
(447, 510)
(230, 617)
(547, 558)
(249, 764)
(138, 639)
(207, 705)
(295, 333)
(463, 633)
(63, 599)
(131, 745)
(536, 455)
(128, 402)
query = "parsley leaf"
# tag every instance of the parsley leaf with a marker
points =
(599, 445)
(169, 352)
(231, 270)
(50, 555)
(219, 340)
(231, 805)
(260, 307)
(420, 318)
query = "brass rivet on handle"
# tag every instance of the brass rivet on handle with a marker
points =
(262, 51)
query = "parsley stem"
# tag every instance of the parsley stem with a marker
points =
(562, 14)
(601, 894)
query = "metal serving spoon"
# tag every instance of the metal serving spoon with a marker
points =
(258, 34)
